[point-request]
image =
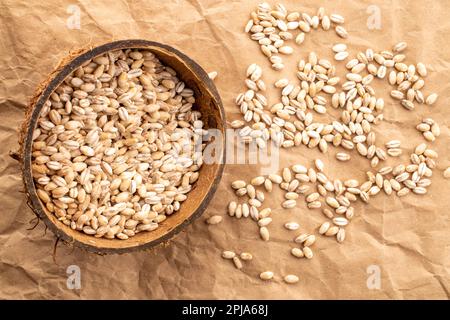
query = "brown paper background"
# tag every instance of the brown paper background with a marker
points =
(407, 238)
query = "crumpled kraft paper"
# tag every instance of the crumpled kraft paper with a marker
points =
(405, 241)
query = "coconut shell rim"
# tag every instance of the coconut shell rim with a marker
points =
(43, 92)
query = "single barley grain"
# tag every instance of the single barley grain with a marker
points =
(228, 254)
(214, 220)
(266, 275)
(246, 256)
(291, 279)
(308, 253)
(237, 262)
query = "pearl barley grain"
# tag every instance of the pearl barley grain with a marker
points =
(214, 220)
(291, 279)
(290, 121)
(447, 173)
(266, 275)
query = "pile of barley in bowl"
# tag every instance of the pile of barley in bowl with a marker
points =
(117, 146)
(290, 122)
